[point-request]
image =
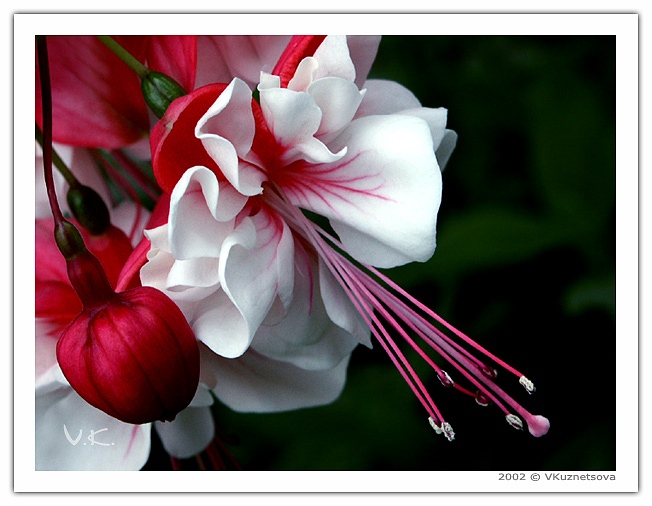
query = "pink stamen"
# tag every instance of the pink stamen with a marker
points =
(381, 300)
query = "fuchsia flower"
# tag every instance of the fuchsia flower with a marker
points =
(289, 179)
(263, 284)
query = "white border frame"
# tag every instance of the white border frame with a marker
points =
(624, 26)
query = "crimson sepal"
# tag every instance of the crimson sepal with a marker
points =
(174, 146)
(299, 47)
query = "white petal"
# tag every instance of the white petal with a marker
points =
(306, 337)
(219, 324)
(334, 59)
(189, 434)
(304, 75)
(446, 148)
(363, 50)
(157, 273)
(386, 97)
(254, 383)
(255, 267)
(382, 198)
(159, 238)
(194, 229)
(340, 309)
(435, 118)
(294, 118)
(196, 272)
(71, 435)
(227, 132)
(338, 100)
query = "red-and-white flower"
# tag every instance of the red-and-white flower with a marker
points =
(261, 282)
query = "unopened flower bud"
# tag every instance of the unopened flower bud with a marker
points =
(159, 91)
(134, 356)
(89, 209)
(68, 239)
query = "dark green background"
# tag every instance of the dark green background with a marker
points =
(525, 264)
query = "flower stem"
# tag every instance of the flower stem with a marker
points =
(124, 55)
(46, 97)
(58, 162)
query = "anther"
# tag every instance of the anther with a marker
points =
(434, 425)
(482, 399)
(489, 372)
(445, 378)
(514, 421)
(527, 384)
(448, 431)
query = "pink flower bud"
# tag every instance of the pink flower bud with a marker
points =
(134, 356)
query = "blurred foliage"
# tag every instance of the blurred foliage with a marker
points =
(525, 264)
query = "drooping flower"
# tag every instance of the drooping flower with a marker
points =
(240, 256)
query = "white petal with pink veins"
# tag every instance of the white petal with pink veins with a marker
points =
(382, 198)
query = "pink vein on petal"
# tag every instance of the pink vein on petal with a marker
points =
(308, 181)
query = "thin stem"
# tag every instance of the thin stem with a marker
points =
(46, 98)
(124, 55)
(58, 162)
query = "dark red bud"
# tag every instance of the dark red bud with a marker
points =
(134, 357)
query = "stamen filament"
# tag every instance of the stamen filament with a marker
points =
(378, 299)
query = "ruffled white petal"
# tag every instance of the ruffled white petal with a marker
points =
(256, 267)
(161, 272)
(338, 101)
(195, 204)
(294, 119)
(227, 132)
(220, 325)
